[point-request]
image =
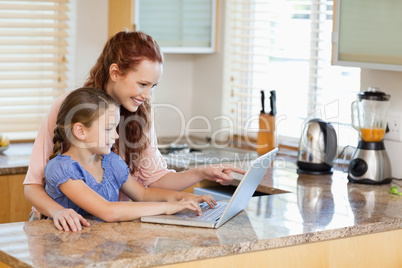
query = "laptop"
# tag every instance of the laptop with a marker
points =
(224, 210)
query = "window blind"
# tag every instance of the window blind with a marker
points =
(285, 46)
(33, 51)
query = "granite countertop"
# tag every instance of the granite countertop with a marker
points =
(15, 159)
(302, 209)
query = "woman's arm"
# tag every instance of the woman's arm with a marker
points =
(156, 175)
(84, 197)
(182, 180)
(64, 219)
(37, 196)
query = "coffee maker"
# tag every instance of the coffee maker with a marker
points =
(370, 163)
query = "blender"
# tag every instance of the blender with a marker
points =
(370, 163)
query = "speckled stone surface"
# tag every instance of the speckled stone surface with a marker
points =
(307, 209)
(15, 159)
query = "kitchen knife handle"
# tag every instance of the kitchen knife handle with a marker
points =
(272, 99)
(263, 102)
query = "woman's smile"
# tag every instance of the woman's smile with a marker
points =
(137, 102)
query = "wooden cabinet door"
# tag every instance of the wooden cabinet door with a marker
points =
(13, 205)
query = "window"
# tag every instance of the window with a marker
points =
(33, 64)
(286, 46)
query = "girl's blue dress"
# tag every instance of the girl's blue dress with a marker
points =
(62, 168)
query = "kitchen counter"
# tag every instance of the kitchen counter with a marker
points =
(302, 210)
(15, 159)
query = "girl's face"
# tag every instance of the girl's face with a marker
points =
(136, 86)
(101, 135)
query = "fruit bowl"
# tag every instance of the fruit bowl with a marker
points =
(4, 143)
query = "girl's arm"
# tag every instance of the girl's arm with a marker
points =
(137, 192)
(84, 197)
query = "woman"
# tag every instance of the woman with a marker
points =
(129, 67)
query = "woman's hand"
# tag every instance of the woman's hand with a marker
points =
(66, 219)
(221, 173)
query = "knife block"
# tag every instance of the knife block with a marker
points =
(266, 134)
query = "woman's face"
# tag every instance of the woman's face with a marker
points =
(136, 86)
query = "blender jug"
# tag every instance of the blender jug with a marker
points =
(369, 114)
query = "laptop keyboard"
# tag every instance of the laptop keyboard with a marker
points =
(207, 213)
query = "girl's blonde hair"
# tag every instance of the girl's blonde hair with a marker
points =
(84, 105)
(128, 49)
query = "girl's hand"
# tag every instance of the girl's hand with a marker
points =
(201, 198)
(66, 219)
(173, 207)
(221, 173)
(190, 201)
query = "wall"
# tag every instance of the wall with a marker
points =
(91, 25)
(208, 92)
(172, 98)
(391, 83)
(193, 85)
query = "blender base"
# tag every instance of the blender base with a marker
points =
(370, 164)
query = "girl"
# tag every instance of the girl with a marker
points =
(85, 176)
(129, 67)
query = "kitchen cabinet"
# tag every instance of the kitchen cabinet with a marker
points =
(171, 22)
(367, 34)
(179, 26)
(13, 205)
(120, 16)
(373, 250)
